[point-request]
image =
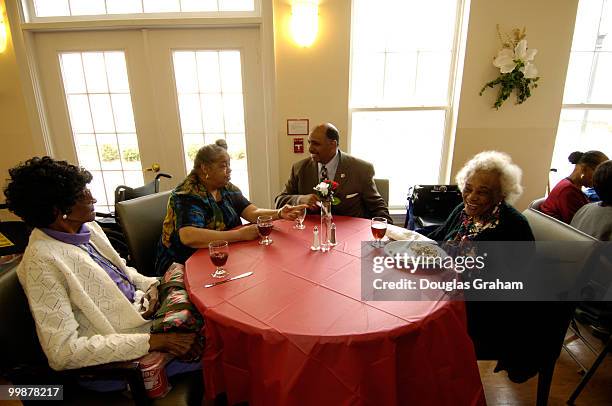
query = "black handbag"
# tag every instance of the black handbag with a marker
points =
(433, 203)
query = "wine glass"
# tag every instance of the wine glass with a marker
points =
(299, 220)
(219, 251)
(264, 226)
(379, 229)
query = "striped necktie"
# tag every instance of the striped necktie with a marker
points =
(323, 172)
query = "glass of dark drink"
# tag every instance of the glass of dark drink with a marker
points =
(379, 229)
(264, 226)
(219, 251)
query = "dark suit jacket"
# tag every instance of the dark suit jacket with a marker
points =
(357, 192)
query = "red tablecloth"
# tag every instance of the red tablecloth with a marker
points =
(297, 333)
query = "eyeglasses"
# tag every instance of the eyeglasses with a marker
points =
(85, 196)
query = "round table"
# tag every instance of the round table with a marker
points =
(296, 332)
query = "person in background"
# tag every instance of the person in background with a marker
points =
(357, 191)
(596, 218)
(88, 306)
(567, 197)
(206, 206)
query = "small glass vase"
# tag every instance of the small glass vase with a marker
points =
(326, 222)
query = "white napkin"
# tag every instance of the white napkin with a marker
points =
(401, 234)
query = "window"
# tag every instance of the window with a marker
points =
(586, 117)
(71, 8)
(101, 117)
(209, 89)
(402, 60)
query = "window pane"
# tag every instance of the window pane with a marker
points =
(368, 71)
(110, 156)
(189, 108)
(116, 71)
(72, 68)
(580, 130)
(198, 5)
(80, 115)
(415, 41)
(102, 113)
(587, 24)
(185, 74)
(578, 76)
(411, 133)
(122, 113)
(602, 83)
(102, 123)
(49, 8)
(95, 72)
(208, 72)
(130, 156)
(236, 5)
(87, 151)
(433, 68)
(66, 8)
(123, 6)
(231, 77)
(161, 6)
(212, 112)
(233, 113)
(211, 106)
(87, 7)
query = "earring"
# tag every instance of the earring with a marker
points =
(581, 175)
(207, 176)
(65, 216)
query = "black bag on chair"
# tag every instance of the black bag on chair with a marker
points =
(431, 204)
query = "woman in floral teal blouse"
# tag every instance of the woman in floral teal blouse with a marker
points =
(207, 207)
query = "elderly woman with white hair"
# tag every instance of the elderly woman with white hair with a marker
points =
(489, 184)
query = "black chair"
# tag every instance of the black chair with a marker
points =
(23, 361)
(142, 220)
(111, 223)
(430, 205)
(596, 282)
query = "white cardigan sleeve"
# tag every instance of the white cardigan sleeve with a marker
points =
(57, 327)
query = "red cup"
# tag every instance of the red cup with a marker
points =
(153, 369)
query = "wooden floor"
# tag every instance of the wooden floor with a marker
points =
(499, 390)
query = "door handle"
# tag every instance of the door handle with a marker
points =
(154, 168)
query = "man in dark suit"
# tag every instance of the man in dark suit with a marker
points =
(357, 192)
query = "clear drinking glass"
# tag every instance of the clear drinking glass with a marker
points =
(299, 220)
(219, 251)
(264, 226)
(379, 229)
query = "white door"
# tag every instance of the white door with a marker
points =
(118, 102)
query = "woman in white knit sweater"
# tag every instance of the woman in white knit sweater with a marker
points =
(88, 306)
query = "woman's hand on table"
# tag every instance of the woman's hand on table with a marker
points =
(248, 232)
(182, 345)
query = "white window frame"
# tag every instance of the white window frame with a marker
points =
(29, 15)
(23, 31)
(584, 107)
(449, 108)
